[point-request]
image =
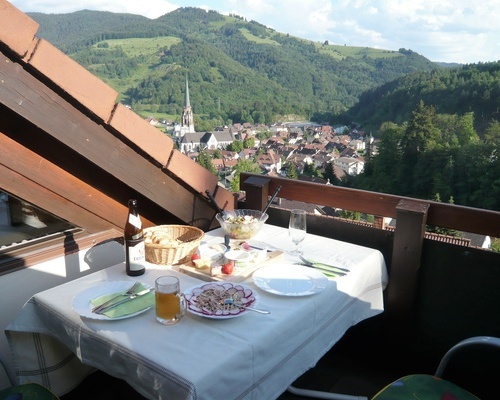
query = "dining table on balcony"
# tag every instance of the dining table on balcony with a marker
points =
(251, 356)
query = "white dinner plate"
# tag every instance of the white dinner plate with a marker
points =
(223, 290)
(82, 301)
(290, 280)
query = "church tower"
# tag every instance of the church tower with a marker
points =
(187, 119)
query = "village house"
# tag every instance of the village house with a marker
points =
(321, 159)
(274, 143)
(269, 161)
(152, 121)
(245, 154)
(351, 166)
(335, 147)
(229, 155)
(349, 152)
(340, 129)
(295, 134)
(357, 144)
(224, 164)
(278, 128)
(308, 150)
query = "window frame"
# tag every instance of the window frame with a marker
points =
(57, 245)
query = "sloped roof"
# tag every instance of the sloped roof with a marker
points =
(196, 137)
(83, 152)
(204, 137)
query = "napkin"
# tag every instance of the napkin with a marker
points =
(130, 307)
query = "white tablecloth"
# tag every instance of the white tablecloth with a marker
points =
(250, 357)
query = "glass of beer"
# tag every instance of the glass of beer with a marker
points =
(170, 302)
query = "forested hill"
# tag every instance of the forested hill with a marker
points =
(470, 88)
(238, 70)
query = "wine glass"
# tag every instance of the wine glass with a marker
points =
(297, 229)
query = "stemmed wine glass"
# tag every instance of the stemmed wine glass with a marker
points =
(297, 229)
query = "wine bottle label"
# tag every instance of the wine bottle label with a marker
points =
(135, 220)
(136, 255)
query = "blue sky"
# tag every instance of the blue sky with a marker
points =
(462, 31)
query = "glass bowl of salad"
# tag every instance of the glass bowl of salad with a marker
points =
(242, 224)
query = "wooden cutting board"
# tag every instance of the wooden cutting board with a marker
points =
(238, 275)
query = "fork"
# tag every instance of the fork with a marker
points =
(312, 264)
(231, 301)
(136, 286)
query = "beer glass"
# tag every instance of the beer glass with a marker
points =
(170, 302)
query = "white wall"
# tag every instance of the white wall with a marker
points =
(17, 287)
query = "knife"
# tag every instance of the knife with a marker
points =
(322, 265)
(326, 271)
(246, 244)
(129, 298)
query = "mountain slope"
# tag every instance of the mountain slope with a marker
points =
(470, 88)
(238, 70)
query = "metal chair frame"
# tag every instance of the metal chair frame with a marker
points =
(473, 341)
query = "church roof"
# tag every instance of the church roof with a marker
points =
(204, 137)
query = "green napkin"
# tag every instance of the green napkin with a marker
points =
(130, 307)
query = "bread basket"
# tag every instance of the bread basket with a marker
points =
(171, 244)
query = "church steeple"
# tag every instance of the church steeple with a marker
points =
(187, 119)
(187, 102)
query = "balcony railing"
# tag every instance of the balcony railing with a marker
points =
(438, 292)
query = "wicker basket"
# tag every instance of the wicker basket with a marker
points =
(187, 239)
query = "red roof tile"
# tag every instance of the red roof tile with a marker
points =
(17, 30)
(70, 76)
(158, 145)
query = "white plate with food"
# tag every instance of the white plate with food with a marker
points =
(290, 280)
(82, 302)
(207, 299)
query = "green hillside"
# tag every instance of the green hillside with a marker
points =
(471, 88)
(238, 70)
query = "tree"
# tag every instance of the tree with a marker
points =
(311, 170)
(217, 154)
(329, 174)
(383, 172)
(466, 132)
(440, 230)
(236, 146)
(420, 135)
(249, 142)
(492, 133)
(205, 160)
(243, 166)
(291, 172)
(495, 245)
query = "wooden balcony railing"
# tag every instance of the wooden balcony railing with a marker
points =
(402, 247)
